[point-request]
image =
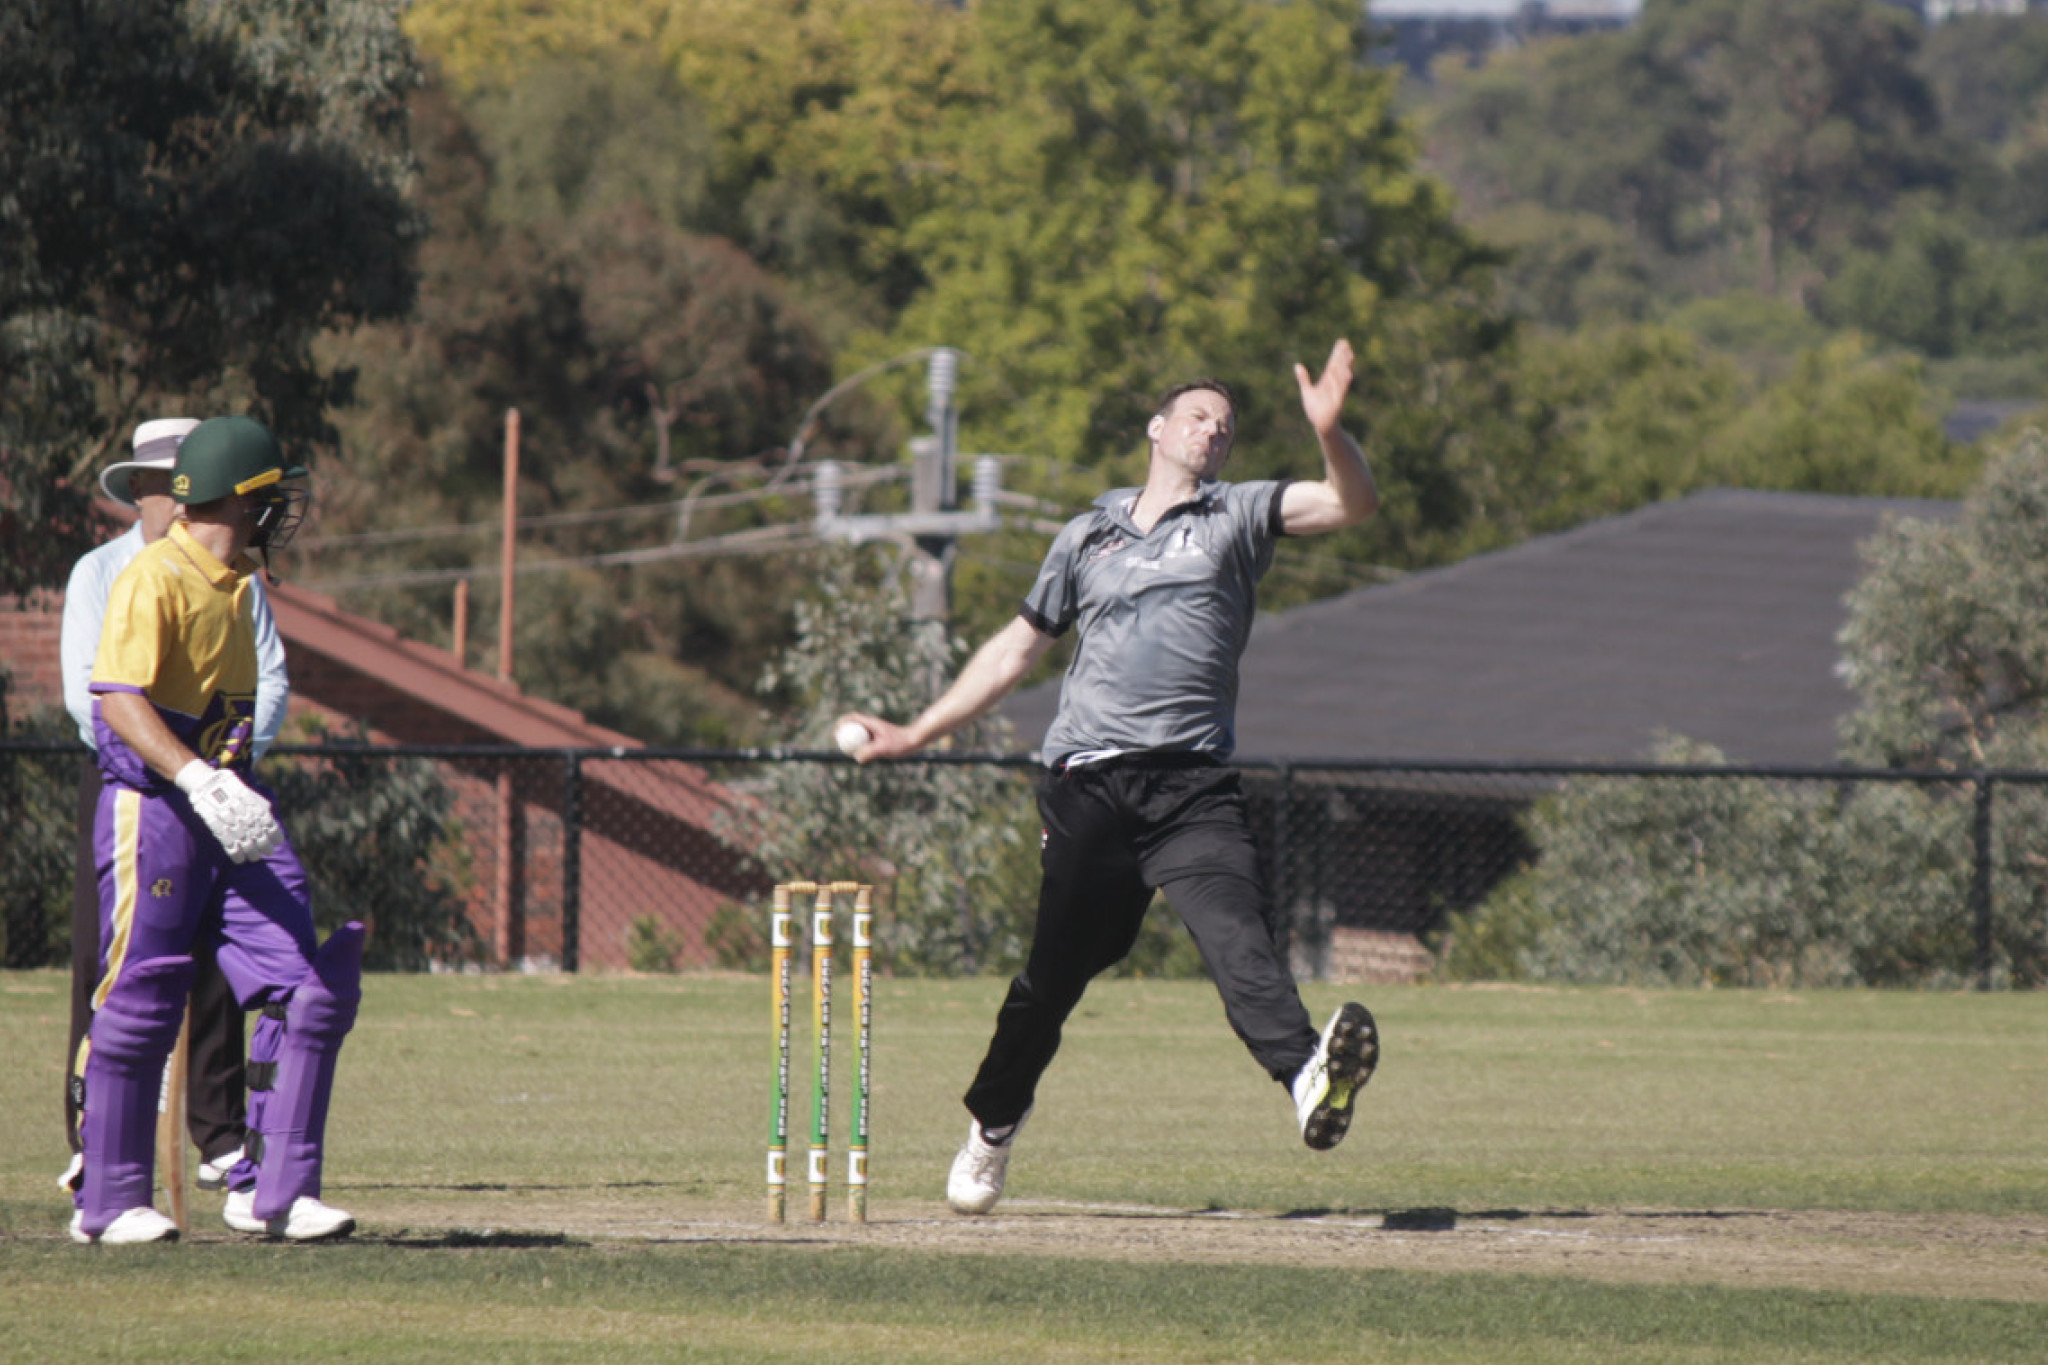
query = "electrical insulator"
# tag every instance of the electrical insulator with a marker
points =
(988, 481)
(943, 374)
(827, 489)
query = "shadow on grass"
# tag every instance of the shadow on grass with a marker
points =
(444, 1239)
(509, 1187)
(1449, 1220)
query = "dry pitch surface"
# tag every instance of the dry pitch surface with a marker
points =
(1936, 1255)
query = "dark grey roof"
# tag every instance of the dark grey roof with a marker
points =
(1712, 616)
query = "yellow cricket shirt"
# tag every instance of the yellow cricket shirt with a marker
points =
(180, 631)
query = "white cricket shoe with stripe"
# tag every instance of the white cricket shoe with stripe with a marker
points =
(976, 1181)
(1328, 1084)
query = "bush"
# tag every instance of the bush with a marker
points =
(1756, 882)
(379, 846)
(38, 795)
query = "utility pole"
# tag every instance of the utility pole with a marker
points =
(933, 490)
(933, 526)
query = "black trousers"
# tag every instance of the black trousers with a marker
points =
(216, 1096)
(1115, 832)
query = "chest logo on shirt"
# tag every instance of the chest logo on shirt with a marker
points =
(161, 888)
(1106, 547)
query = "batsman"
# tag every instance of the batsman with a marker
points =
(189, 850)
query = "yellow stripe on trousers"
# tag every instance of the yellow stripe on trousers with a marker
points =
(127, 843)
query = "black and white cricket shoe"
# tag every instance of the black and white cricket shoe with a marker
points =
(1328, 1084)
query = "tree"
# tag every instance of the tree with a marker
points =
(1817, 118)
(947, 846)
(817, 112)
(1741, 881)
(380, 847)
(195, 191)
(1689, 879)
(1738, 142)
(647, 364)
(1947, 639)
(1148, 190)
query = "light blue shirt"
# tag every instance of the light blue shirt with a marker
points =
(85, 612)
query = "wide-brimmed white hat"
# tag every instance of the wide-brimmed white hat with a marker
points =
(156, 447)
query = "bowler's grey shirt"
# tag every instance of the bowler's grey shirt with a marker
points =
(1161, 617)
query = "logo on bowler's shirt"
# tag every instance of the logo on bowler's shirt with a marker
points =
(160, 888)
(1106, 547)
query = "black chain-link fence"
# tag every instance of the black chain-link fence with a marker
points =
(613, 859)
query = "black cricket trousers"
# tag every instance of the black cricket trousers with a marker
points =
(1114, 831)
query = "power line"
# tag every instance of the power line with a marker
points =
(550, 520)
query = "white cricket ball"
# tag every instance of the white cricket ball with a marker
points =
(850, 736)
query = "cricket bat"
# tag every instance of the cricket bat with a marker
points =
(170, 1124)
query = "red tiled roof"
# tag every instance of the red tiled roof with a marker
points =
(468, 707)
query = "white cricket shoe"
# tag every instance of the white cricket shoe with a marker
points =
(213, 1175)
(976, 1181)
(137, 1225)
(308, 1220)
(1329, 1082)
(239, 1212)
(73, 1179)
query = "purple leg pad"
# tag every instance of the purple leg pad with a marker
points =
(266, 1042)
(319, 1015)
(132, 1034)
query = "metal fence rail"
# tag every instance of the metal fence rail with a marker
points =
(603, 859)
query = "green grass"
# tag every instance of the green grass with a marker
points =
(628, 1098)
(584, 1303)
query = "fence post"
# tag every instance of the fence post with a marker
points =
(572, 860)
(1980, 886)
(508, 929)
(1283, 909)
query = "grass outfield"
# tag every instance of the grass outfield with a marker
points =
(570, 1169)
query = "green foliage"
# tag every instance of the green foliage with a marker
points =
(647, 364)
(945, 845)
(1492, 940)
(379, 845)
(1678, 881)
(38, 856)
(195, 191)
(1947, 639)
(734, 939)
(1846, 421)
(1567, 269)
(1941, 289)
(579, 134)
(652, 947)
(1690, 880)
(1147, 191)
(1748, 138)
(1604, 420)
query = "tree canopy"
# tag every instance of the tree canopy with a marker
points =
(194, 193)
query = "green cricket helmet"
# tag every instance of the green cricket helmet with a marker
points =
(225, 456)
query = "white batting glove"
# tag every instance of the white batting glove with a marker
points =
(238, 817)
